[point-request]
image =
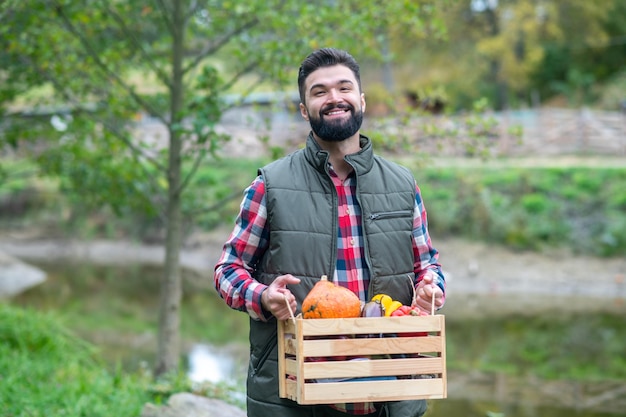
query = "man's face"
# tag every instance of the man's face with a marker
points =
(334, 103)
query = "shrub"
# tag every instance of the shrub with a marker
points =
(578, 208)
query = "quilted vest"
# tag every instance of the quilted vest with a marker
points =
(302, 212)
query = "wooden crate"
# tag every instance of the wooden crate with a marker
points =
(327, 361)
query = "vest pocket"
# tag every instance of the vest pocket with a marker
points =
(390, 214)
(265, 353)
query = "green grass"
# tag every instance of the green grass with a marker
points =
(577, 208)
(46, 371)
(580, 208)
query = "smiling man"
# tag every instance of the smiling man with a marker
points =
(335, 104)
(333, 208)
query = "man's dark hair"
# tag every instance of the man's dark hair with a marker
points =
(326, 57)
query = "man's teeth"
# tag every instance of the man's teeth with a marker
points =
(335, 112)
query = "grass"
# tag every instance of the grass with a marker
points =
(579, 208)
(46, 370)
(575, 208)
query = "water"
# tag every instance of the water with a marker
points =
(116, 308)
(473, 408)
(207, 364)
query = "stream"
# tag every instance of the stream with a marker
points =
(118, 306)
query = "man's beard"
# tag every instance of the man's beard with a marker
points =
(336, 130)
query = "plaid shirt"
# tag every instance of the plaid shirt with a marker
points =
(249, 240)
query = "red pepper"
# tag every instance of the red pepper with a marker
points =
(402, 311)
(410, 311)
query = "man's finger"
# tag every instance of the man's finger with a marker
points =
(283, 280)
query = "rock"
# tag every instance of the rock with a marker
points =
(189, 405)
(16, 276)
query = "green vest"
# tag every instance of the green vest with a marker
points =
(302, 209)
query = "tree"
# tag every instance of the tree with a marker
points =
(590, 50)
(101, 63)
(509, 49)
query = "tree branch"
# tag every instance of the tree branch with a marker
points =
(112, 128)
(137, 151)
(216, 205)
(215, 46)
(248, 68)
(94, 55)
(75, 104)
(234, 79)
(193, 8)
(165, 15)
(137, 154)
(194, 169)
(122, 24)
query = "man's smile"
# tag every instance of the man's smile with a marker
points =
(336, 110)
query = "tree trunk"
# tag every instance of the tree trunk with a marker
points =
(501, 92)
(171, 285)
(387, 66)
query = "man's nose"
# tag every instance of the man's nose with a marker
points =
(335, 96)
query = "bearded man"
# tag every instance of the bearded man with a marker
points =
(333, 208)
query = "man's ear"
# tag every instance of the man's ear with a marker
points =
(304, 112)
(363, 102)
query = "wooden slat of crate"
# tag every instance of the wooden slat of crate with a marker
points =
(428, 371)
(366, 391)
(366, 346)
(377, 367)
(363, 325)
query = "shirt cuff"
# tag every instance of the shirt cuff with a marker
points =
(254, 306)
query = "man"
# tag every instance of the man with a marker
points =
(335, 209)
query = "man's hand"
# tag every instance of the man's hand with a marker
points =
(425, 290)
(276, 297)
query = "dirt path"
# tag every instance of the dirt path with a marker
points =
(483, 279)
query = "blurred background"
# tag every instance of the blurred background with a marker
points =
(128, 131)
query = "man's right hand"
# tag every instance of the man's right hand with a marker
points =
(276, 296)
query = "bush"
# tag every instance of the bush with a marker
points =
(576, 208)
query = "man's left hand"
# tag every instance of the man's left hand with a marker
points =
(424, 293)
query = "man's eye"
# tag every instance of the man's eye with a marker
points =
(318, 93)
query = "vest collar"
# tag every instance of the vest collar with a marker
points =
(361, 161)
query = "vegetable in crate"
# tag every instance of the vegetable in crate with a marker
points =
(380, 305)
(329, 301)
(373, 309)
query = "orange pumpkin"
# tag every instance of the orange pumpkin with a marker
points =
(329, 301)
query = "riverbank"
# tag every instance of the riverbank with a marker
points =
(481, 278)
(491, 282)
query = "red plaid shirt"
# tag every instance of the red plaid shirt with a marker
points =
(249, 240)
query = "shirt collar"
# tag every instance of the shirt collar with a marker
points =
(361, 161)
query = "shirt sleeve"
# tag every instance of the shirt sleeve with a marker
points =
(426, 256)
(241, 253)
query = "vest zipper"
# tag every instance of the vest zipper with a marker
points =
(390, 214)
